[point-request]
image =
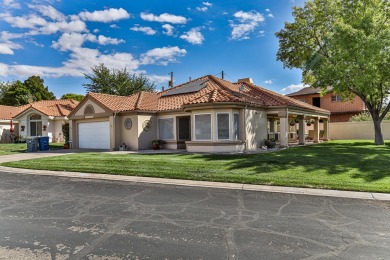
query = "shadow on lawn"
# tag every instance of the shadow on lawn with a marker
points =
(367, 161)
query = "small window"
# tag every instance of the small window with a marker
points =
(35, 117)
(236, 126)
(337, 98)
(89, 110)
(203, 127)
(302, 100)
(165, 128)
(223, 126)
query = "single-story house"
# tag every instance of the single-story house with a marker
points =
(41, 118)
(207, 114)
(6, 113)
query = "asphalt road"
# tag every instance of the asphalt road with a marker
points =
(61, 218)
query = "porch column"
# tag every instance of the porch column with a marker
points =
(272, 128)
(272, 125)
(316, 130)
(284, 131)
(302, 130)
(326, 129)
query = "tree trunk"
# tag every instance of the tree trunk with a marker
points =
(378, 131)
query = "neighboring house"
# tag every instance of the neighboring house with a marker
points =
(208, 114)
(6, 113)
(41, 118)
(341, 111)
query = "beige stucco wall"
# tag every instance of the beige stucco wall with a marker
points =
(145, 138)
(255, 128)
(357, 130)
(129, 137)
(220, 147)
(98, 109)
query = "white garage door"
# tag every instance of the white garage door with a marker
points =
(94, 135)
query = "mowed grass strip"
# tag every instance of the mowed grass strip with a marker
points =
(343, 165)
(6, 148)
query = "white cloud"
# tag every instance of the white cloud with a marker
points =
(103, 40)
(96, 30)
(64, 26)
(11, 4)
(162, 56)
(164, 18)
(261, 33)
(49, 11)
(7, 46)
(105, 16)
(267, 10)
(27, 22)
(193, 36)
(293, 88)
(246, 23)
(114, 26)
(270, 15)
(146, 30)
(207, 4)
(202, 9)
(74, 41)
(168, 29)
(268, 81)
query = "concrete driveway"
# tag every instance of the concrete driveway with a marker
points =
(46, 217)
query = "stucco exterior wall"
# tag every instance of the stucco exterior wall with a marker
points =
(357, 130)
(5, 127)
(255, 128)
(54, 130)
(145, 138)
(53, 126)
(129, 137)
(98, 109)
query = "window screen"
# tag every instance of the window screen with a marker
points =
(203, 127)
(223, 126)
(165, 128)
(236, 126)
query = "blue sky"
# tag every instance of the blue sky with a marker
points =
(61, 40)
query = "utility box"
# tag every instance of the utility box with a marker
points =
(32, 144)
(44, 143)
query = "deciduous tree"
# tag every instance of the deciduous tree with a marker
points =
(116, 81)
(344, 44)
(77, 97)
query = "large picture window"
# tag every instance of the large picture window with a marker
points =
(203, 127)
(165, 128)
(223, 126)
(236, 126)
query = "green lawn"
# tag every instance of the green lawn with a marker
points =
(21, 148)
(343, 165)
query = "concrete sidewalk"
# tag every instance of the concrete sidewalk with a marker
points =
(206, 184)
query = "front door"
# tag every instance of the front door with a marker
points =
(183, 128)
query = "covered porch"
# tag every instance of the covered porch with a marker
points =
(292, 127)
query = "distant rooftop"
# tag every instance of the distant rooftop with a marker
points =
(307, 91)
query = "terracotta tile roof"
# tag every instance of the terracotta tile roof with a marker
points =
(60, 107)
(213, 90)
(307, 91)
(7, 112)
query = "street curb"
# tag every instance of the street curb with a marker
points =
(206, 184)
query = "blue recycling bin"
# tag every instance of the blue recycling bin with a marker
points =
(44, 143)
